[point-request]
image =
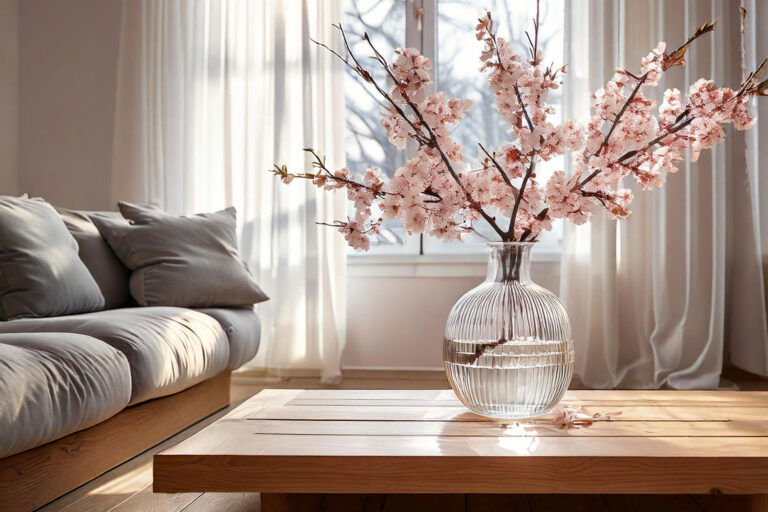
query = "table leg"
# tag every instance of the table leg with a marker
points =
(284, 502)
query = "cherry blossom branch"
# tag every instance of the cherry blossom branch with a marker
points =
(342, 224)
(320, 164)
(513, 218)
(535, 44)
(675, 58)
(519, 96)
(670, 131)
(365, 75)
(432, 140)
(618, 117)
(500, 169)
(749, 86)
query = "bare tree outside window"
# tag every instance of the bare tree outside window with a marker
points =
(457, 74)
(367, 144)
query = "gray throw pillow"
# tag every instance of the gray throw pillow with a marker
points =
(102, 262)
(181, 261)
(40, 271)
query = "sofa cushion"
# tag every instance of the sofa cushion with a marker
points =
(181, 261)
(102, 262)
(168, 349)
(243, 329)
(40, 271)
(54, 384)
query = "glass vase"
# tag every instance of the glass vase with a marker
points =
(508, 348)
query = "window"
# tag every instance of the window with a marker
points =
(444, 31)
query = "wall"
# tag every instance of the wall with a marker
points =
(397, 312)
(9, 89)
(68, 53)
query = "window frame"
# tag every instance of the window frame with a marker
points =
(421, 32)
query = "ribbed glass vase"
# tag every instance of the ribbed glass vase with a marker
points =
(508, 348)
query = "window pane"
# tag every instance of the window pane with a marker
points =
(458, 75)
(367, 144)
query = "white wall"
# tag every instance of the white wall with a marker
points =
(397, 312)
(9, 99)
(68, 53)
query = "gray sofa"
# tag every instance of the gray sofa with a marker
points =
(63, 374)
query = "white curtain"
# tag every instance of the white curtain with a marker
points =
(211, 94)
(663, 298)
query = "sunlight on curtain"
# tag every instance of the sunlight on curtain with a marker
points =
(662, 298)
(211, 94)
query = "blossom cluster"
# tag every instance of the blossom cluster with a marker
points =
(628, 135)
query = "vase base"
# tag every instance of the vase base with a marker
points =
(510, 412)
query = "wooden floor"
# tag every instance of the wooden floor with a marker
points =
(128, 488)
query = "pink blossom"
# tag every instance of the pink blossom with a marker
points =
(412, 69)
(564, 199)
(627, 137)
(652, 64)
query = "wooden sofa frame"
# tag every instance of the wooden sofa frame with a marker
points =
(31, 479)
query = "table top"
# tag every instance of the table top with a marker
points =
(371, 441)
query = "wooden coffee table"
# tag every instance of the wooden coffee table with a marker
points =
(286, 443)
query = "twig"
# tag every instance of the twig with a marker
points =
(624, 108)
(432, 141)
(515, 87)
(513, 218)
(500, 169)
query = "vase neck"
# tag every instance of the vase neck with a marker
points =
(509, 261)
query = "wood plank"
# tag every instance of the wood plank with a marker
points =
(234, 439)
(375, 502)
(479, 474)
(576, 396)
(344, 503)
(501, 502)
(414, 502)
(32, 478)
(223, 502)
(652, 503)
(738, 428)
(628, 413)
(454, 402)
(114, 492)
(757, 503)
(268, 397)
(146, 501)
(571, 503)
(721, 502)
(286, 502)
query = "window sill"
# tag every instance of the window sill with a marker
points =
(433, 265)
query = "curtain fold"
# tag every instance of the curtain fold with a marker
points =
(210, 95)
(661, 298)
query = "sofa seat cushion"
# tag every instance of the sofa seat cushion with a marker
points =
(243, 329)
(54, 384)
(168, 349)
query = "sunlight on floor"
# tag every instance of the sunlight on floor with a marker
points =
(129, 483)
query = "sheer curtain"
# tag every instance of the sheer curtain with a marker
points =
(211, 94)
(663, 298)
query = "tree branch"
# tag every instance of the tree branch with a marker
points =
(513, 218)
(624, 108)
(500, 169)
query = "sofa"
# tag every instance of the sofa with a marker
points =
(67, 381)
